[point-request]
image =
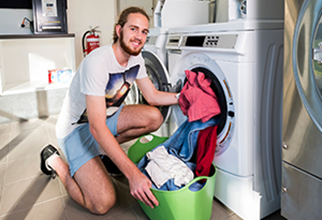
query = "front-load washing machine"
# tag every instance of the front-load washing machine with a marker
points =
(245, 65)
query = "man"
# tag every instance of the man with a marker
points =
(92, 117)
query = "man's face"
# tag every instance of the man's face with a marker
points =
(133, 34)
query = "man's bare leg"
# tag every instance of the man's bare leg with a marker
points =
(91, 187)
(137, 120)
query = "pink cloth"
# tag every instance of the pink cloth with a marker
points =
(197, 100)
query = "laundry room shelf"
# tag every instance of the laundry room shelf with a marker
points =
(26, 59)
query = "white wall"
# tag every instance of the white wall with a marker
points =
(11, 19)
(83, 13)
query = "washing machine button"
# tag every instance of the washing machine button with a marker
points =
(231, 114)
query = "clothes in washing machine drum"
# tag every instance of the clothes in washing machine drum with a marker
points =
(216, 87)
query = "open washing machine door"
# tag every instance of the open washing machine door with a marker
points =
(158, 75)
(198, 62)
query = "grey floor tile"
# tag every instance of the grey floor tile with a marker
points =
(4, 147)
(24, 194)
(2, 173)
(62, 189)
(139, 213)
(220, 211)
(50, 128)
(18, 127)
(127, 215)
(22, 169)
(52, 210)
(28, 143)
(75, 211)
(5, 128)
(122, 186)
(233, 217)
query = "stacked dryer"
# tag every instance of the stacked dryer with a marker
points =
(244, 60)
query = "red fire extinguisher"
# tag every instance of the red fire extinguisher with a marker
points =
(92, 40)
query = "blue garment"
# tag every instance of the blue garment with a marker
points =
(181, 144)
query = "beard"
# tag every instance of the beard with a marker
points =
(128, 49)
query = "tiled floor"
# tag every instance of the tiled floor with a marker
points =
(28, 194)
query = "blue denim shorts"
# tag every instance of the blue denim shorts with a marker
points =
(80, 146)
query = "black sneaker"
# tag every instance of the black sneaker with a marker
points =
(45, 153)
(110, 166)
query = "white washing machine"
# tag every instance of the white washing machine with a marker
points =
(244, 60)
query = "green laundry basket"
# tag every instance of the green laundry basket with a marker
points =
(182, 204)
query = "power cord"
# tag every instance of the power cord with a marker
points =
(31, 26)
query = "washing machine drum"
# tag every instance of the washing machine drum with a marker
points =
(227, 116)
(217, 88)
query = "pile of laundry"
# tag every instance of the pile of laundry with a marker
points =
(189, 152)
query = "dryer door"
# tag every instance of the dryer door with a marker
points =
(302, 117)
(302, 111)
(158, 74)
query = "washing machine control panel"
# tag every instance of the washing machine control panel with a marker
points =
(227, 41)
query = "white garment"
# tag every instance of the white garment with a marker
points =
(164, 166)
(99, 74)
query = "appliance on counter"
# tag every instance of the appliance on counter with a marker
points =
(302, 111)
(49, 16)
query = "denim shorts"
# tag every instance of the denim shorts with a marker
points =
(80, 146)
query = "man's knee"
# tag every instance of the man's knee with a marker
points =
(156, 119)
(103, 204)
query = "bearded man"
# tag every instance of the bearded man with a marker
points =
(93, 122)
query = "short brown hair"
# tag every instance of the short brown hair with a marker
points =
(123, 18)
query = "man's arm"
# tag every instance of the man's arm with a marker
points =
(154, 96)
(139, 184)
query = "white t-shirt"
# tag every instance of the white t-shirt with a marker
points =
(99, 74)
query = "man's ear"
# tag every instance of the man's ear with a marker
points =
(118, 29)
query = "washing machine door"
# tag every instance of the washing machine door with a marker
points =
(198, 62)
(158, 75)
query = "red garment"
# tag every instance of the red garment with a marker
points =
(197, 99)
(207, 139)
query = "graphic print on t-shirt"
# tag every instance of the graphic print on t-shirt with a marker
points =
(116, 90)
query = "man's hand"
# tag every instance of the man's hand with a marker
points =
(140, 189)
